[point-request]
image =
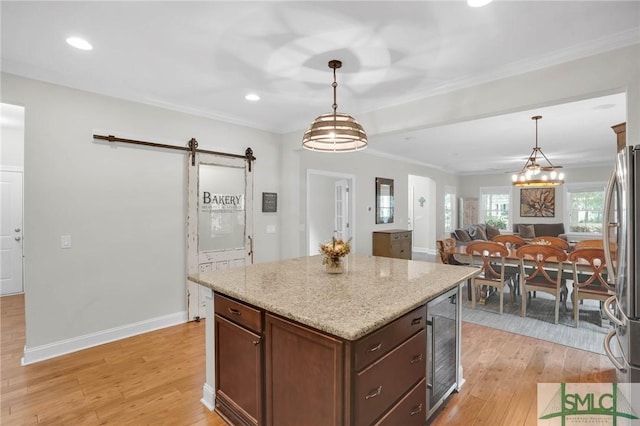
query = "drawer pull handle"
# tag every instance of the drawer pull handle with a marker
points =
(374, 393)
(256, 342)
(416, 409)
(416, 321)
(375, 348)
(416, 358)
(234, 312)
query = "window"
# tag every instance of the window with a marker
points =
(449, 208)
(585, 205)
(495, 204)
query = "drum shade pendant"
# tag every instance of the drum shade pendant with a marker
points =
(334, 131)
(535, 175)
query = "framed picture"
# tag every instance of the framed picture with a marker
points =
(537, 202)
(269, 202)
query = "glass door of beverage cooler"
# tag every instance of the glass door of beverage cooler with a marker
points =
(442, 350)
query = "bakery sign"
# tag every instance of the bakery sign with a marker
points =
(221, 202)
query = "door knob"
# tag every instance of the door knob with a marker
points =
(17, 229)
(17, 238)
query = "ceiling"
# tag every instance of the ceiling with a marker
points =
(204, 57)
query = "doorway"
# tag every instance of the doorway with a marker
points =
(422, 213)
(330, 206)
(11, 199)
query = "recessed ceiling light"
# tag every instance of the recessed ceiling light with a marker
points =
(478, 3)
(79, 43)
(252, 97)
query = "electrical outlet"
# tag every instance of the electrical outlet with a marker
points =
(65, 241)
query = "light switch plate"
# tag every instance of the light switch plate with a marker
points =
(65, 241)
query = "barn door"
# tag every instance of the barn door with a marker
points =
(220, 220)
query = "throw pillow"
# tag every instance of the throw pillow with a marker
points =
(492, 231)
(477, 233)
(526, 231)
(462, 235)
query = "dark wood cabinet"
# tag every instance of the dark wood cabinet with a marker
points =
(304, 380)
(274, 371)
(395, 243)
(238, 362)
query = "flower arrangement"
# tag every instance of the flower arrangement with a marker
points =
(542, 243)
(334, 250)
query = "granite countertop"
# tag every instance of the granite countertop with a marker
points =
(372, 291)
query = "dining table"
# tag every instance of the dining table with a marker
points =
(511, 261)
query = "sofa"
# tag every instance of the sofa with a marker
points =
(532, 230)
(478, 231)
(527, 231)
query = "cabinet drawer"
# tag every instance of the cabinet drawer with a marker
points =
(378, 343)
(385, 381)
(401, 236)
(409, 411)
(239, 313)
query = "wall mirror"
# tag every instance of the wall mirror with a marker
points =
(384, 200)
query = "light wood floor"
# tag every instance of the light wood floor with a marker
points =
(156, 378)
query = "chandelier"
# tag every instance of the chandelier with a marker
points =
(533, 173)
(334, 131)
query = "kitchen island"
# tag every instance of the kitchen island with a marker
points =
(288, 343)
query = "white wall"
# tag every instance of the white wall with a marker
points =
(122, 205)
(12, 137)
(366, 167)
(321, 211)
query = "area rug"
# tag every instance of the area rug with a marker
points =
(539, 322)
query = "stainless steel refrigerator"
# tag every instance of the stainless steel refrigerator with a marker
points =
(622, 225)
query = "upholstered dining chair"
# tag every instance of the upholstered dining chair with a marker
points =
(552, 241)
(590, 284)
(509, 240)
(541, 270)
(489, 256)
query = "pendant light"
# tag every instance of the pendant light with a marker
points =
(334, 131)
(533, 174)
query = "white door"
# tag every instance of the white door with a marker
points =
(341, 203)
(220, 220)
(11, 232)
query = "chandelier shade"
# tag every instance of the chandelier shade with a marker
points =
(334, 131)
(534, 174)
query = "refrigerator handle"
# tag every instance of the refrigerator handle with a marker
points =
(607, 349)
(606, 225)
(607, 310)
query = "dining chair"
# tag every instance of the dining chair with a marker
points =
(489, 256)
(598, 244)
(446, 248)
(592, 283)
(509, 240)
(541, 269)
(552, 241)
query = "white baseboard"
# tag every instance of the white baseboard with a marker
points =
(208, 397)
(425, 250)
(62, 347)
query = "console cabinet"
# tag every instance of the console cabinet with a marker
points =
(396, 243)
